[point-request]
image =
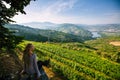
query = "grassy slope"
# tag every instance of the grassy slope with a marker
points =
(85, 51)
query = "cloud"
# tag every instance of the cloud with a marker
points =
(55, 10)
(58, 7)
(48, 13)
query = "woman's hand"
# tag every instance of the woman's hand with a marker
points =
(22, 72)
(37, 77)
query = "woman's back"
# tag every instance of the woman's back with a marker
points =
(30, 69)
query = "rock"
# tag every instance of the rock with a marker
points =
(10, 66)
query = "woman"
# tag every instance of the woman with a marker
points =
(30, 63)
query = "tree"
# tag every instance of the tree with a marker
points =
(8, 9)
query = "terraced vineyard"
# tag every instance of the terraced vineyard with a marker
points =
(76, 64)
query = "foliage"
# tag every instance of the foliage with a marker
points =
(15, 6)
(8, 9)
(8, 40)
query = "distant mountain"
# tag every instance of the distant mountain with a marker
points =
(40, 25)
(103, 30)
(66, 28)
(73, 29)
(79, 29)
(53, 26)
(44, 35)
(103, 27)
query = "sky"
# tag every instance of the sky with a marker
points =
(72, 11)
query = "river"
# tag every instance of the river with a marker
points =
(95, 34)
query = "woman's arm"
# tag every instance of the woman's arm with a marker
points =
(24, 69)
(36, 67)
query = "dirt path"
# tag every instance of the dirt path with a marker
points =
(52, 75)
(115, 43)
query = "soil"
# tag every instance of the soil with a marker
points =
(115, 43)
(52, 75)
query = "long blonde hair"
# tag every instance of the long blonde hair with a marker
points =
(26, 54)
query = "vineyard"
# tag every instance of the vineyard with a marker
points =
(76, 62)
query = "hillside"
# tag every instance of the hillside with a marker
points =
(106, 47)
(65, 27)
(77, 61)
(45, 35)
(10, 66)
(92, 60)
